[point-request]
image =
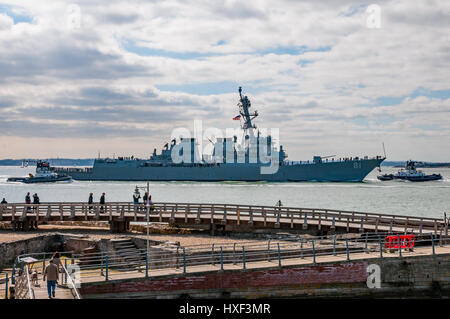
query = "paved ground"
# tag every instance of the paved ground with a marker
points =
(40, 291)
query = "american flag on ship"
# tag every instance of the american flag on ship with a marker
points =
(236, 118)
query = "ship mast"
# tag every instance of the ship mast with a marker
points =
(244, 106)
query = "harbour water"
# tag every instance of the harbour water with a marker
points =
(429, 199)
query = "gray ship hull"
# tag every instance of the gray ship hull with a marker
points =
(337, 171)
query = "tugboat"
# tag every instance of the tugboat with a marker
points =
(410, 173)
(44, 174)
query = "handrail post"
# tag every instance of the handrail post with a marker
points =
(432, 244)
(6, 286)
(106, 268)
(243, 257)
(399, 247)
(101, 264)
(334, 245)
(146, 263)
(268, 250)
(365, 246)
(65, 275)
(314, 252)
(279, 255)
(13, 274)
(301, 248)
(381, 246)
(221, 258)
(184, 260)
(348, 252)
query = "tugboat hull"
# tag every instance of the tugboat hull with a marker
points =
(47, 180)
(424, 178)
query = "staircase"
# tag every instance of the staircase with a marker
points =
(127, 253)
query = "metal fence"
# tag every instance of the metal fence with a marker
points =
(5, 283)
(112, 264)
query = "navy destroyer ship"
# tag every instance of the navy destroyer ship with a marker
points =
(229, 161)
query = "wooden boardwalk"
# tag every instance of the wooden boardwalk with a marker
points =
(61, 292)
(218, 216)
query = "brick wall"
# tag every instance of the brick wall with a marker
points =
(415, 276)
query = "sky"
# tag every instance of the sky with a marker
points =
(79, 78)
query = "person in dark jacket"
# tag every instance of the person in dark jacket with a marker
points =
(90, 201)
(28, 198)
(136, 197)
(36, 199)
(28, 201)
(145, 198)
(4, 201)
(102, 201)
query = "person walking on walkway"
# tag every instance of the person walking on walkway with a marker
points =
(51, 274)
(102, 201)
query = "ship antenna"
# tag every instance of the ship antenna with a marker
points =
(244, 106)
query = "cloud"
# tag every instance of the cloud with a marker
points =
(314, 69)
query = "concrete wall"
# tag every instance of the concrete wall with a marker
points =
(77, 245)
(423, 276)
(47, 243)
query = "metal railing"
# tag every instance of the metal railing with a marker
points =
(110, 265)
(188, 213)
(70, 283)
(221, 256)
(23, 289)
(5, 284)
